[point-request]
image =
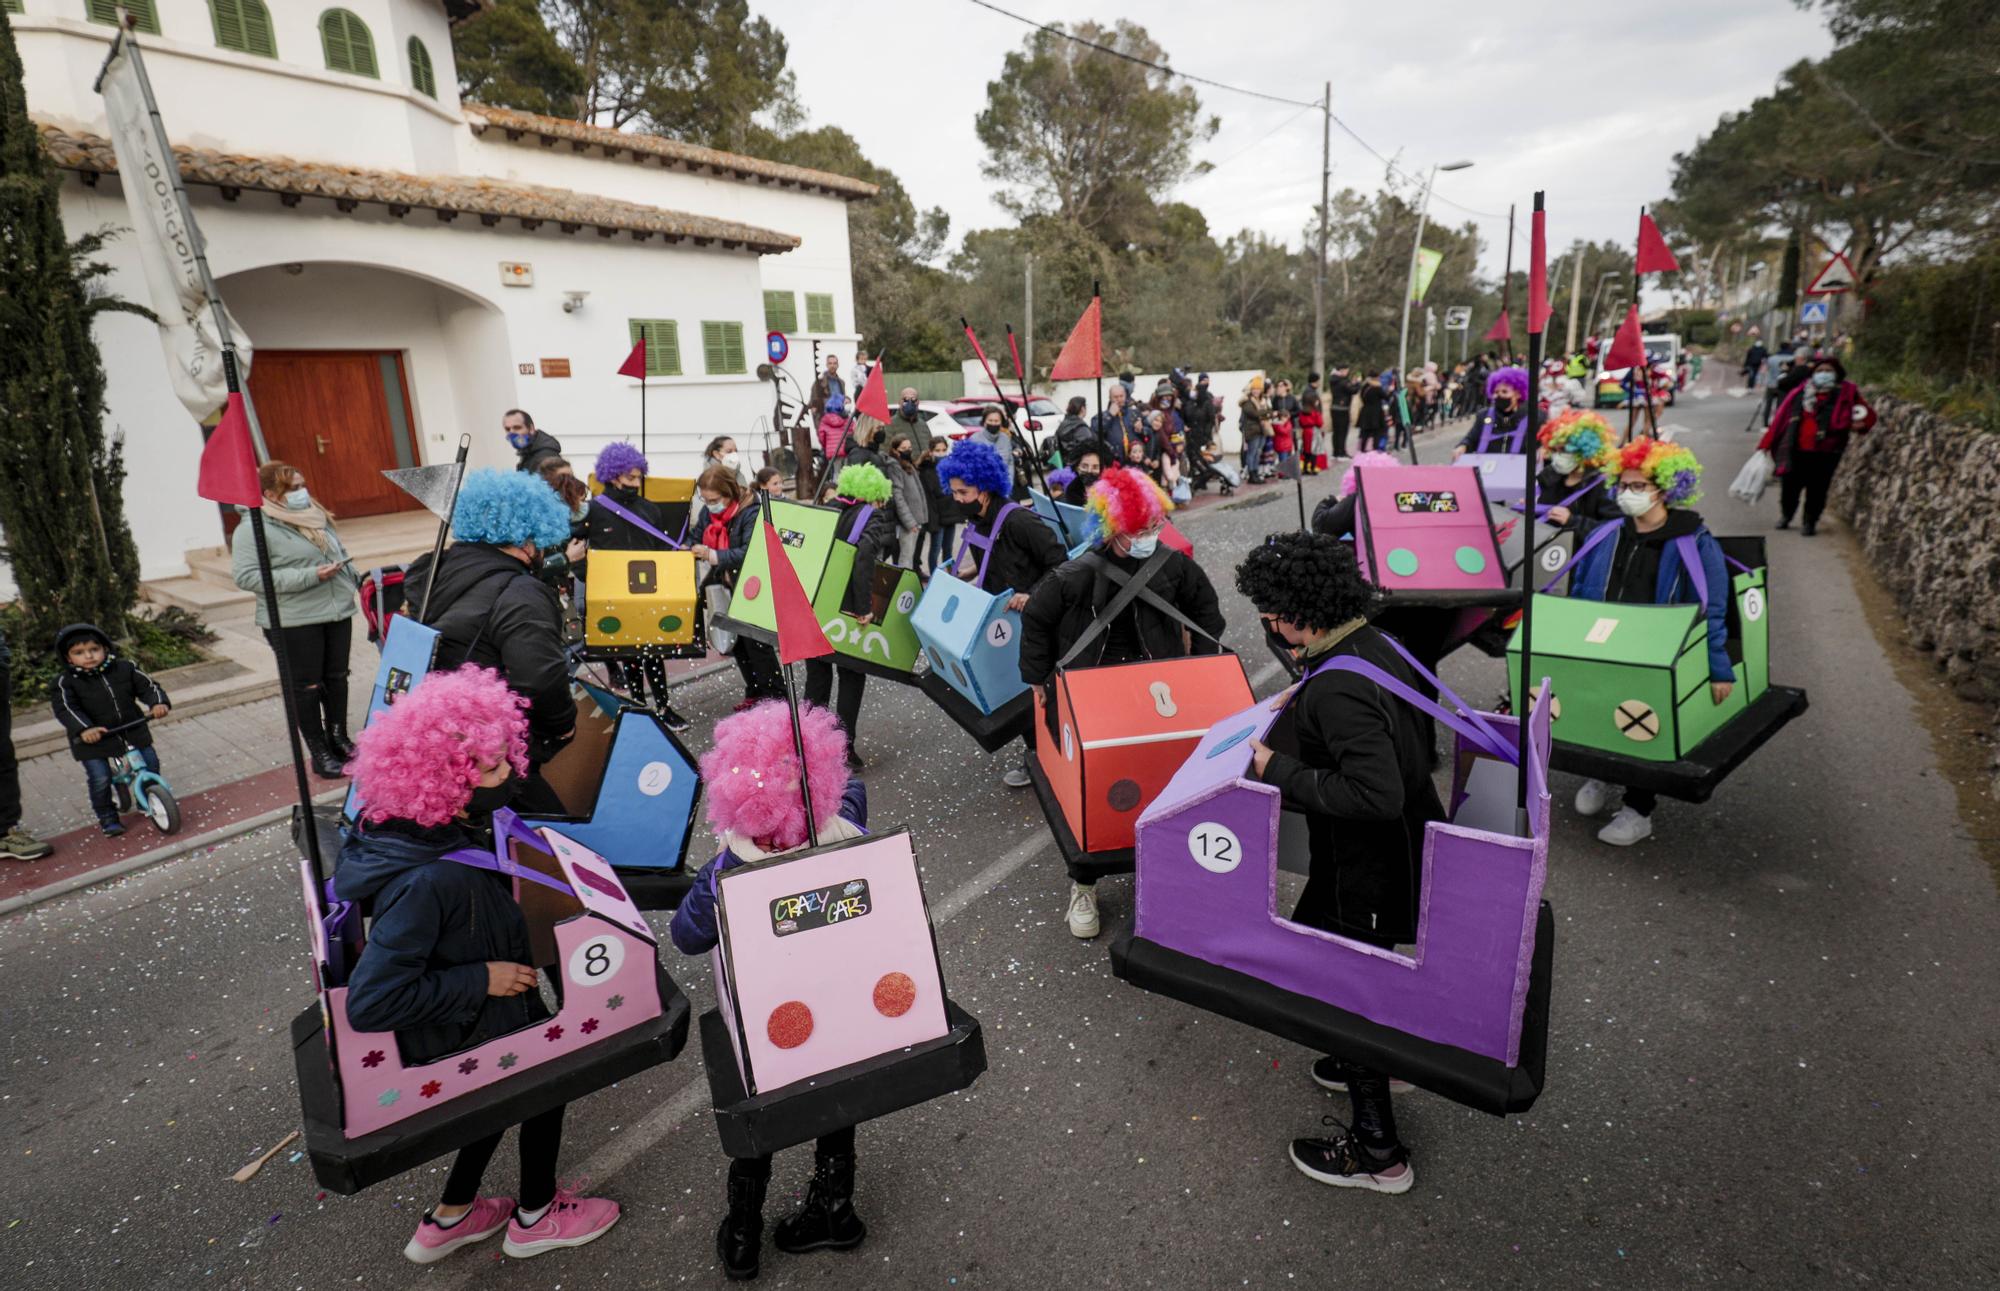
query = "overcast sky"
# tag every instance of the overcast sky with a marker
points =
(1541, 93)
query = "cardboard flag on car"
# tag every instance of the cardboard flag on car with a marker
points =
(1538, 275)
(1082, 354)
(799, 634)
(228, 471)
(873, 400)
(1654, 255)
(635, 362)
(1627, 350)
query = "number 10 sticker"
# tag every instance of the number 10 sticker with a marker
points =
(1215, 847)
(596, 961)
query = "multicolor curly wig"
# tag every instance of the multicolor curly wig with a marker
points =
(508, 509)
(1371, 459)
(979, 465)
(1126, 502)
(1309, 579)
(420, 760)
(863, 482)
(1515, 377)
(1583, 434)
(1671, 467)
(618, 458)
(751, 775)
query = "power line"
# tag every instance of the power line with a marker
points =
(1164, 70)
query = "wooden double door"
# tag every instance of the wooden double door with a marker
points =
(342, 417)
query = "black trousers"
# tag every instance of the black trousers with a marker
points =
(1642, 800)
(541, 1142)
(757, 664)
(318, 654)
(1811, 477)
(819, 690)
(840, 1143)
(1337, 427)
(10, 767)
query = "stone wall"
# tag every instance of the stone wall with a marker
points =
(1923, 498)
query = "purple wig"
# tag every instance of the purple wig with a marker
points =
(1516, 377)
(616, 459)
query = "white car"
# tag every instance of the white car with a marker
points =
(1663, 347)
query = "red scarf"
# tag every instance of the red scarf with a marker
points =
(715, 536)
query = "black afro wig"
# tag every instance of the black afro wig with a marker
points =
(1307, 578)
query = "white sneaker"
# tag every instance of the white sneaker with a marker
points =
(1016, 778)
(1626, 828)
(1594, 796)
(1082, 911)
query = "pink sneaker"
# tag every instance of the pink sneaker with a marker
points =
(570, 1220)
(432, 1243)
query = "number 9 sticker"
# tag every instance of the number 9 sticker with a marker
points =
(596, 961)
(1215, 847)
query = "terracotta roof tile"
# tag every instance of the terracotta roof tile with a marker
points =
(448, 195)
(517, 124)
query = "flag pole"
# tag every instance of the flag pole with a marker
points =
(994, 381)
(1097, 299)
(1524, 716)
(1034, 445)
(444, 527)
(645, 369)
(799, 747)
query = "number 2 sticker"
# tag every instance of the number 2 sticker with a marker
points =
(596, 961)
(1215, 847)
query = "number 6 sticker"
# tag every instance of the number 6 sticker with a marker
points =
(596, 961)
(1215, 847)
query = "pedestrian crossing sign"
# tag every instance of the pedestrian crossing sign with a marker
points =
(1813, 311)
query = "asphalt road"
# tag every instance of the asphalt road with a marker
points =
(1770, 1064)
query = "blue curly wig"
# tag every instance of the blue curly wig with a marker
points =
(1517, 377)
(616, 459)
(979, 465)
(508, 508)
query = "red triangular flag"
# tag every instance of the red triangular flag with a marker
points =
(799, 635)
(1538, 274)
(1627, 351)
(635, 362)
(1654, 256)
(1502, 328)
(873, 401)
(228, 463)
(1082, 354)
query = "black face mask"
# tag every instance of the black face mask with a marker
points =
(910, 408)
(1088, 476)
(485, 801)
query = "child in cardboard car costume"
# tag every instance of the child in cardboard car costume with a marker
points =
(447, 964)
(639, 610)
(1498, 427)
(731, 515)
(1571, 483)
(868, 525)
(1105, 620)
(1005, 553)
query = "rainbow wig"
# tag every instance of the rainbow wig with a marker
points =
(618, 458)
(751, 775)
(1584, 434)
(1127, 502)
(979, 465)
(423, 756)
(1517, 377)
(863, 482)
(1370, 459)
(1059, 479)
(1671, 467)
(509, 509)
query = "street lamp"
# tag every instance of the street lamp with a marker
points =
(1423, 210)
(1603, 278)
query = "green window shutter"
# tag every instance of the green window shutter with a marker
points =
(819, 312)
(348, 46)
(421, 75)
(781, 312)
(244, 26)
(663, 344)
(722, 348)
(11, 6)
(106, 11)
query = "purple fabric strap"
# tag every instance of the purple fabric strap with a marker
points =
(636, 522)
(1584, 548)
(499, 864)
(861, 519)
(1487, 436)
(973, 538)
(1470, 724)
(1568, 501)
(1691, 561)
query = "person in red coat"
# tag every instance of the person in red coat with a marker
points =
(1807, 435)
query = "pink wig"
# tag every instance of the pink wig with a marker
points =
(1126, 502)
(421, 760)
(752, 774)
(1372, 460)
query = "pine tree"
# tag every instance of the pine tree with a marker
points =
(62, 512)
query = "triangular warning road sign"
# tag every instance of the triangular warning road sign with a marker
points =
(1835, 275)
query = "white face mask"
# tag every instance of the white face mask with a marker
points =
(1144, 547)
(298, 499)
(1635, 504)
(732, 459)
(1564, 462)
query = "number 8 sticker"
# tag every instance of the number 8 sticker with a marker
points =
(596, 961)
(1215, 847)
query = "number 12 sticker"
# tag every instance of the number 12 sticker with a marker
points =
(1215, 847)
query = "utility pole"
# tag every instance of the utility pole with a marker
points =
(1575, 299)
(1028, 332)
(1319, 272)
(1507, 288)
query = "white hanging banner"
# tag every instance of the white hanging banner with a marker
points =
(167, 246)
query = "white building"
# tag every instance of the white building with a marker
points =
(401, 261)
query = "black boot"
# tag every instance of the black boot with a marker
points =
(333, 702)
(337, 742)
(827, 1220)
(324, 763)
(740, 1240)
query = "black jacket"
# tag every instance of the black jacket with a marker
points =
(608, 532)
(1199, 412)
(1339, 394)
(1373, 419)
(1357, 761)
(541, 446)
(875, 542)
(435, 926)
(490, 610)
(1598, 503)
(1066, 603)
(945, 509)
(1025, 551)
(1073, 437)
(113, 693)
(1498, 424)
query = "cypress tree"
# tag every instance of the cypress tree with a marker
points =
(62, 512)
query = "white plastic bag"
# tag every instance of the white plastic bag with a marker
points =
(1754, 478)
(716, 596)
